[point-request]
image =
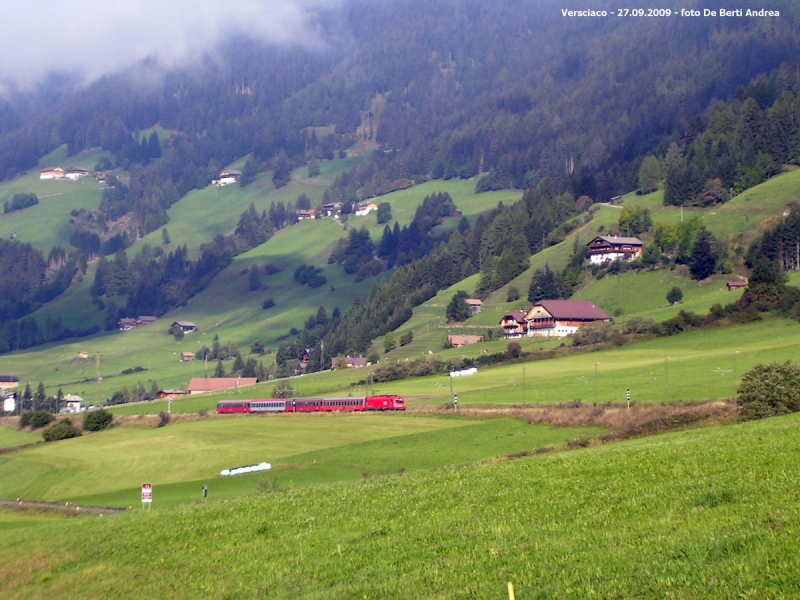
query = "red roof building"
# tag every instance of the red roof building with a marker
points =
(560, 318)
(201, 385)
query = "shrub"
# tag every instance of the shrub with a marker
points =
(514, 350)
(672, 326)
(61, 431)
(163, 419)
(268, 303)
(593, 333)
(97, 420)
(25, 419)
(257, 347)
(769, 390)
(283, 390)
(41, 418)
(406, 338)
(638, 325)
(512, 294)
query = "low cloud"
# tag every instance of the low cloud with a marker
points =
(89, 38)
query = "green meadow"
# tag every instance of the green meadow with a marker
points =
(47, 224)
(303, 449)
(709, 513)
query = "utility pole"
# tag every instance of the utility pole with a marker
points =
(451, 389)
(523, 386)
(735, 356)
(97, 385)
(595, 382)
(666, 377)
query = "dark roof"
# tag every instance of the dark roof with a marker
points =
(573, 309)
(184, 324)
(517, 315)
(8, 379)
(632, 241)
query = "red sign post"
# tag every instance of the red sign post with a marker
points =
(147, 494)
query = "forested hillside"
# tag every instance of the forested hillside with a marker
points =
(512, 93)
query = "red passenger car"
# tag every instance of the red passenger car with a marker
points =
(233, 406)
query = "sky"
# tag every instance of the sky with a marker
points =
(90, 38)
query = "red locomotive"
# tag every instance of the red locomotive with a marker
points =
(296, 405)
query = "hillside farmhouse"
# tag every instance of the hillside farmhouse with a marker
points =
(355, 361)
(514, 325)
(187, 356)
(560, 318)
(475, 305)
(186, 326)
(74, 173)
(364, 210)
(606, 249)
(201, 385)
(55, 173)
(227, 177)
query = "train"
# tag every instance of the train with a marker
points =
(303, 405)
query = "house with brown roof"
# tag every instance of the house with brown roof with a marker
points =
(463, 340)
(8, 382)
(514, 324)
(164, 394)
(355, 361)
(560, 318)
(475, 305)
(55, 173)
(736, 285)
(605, 249)
(145, 320)
(201, 385)
(126, 324)
(187, 356)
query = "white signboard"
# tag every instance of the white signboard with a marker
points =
(147, 492)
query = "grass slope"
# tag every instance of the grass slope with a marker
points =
(10, 438)
(708, 513)
(47, 224)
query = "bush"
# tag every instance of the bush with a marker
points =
(97, 420)
(639, 325)
(163, 419)
(593, 333)
(514, 350)
(62, 431)
(41, 418)
(268, 303)
(768, 391)
(25, 419)
(512, 294)
(282, 390)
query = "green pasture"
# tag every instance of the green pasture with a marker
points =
(187, 451)
(10, 438)
(47, 224)
(303, 449)
(203, 214)
(709, 513)
(645, 294)
(461, 442)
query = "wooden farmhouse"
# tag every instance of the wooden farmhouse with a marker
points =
(475, 305)
(8, 382)
(560, 318)
(228, 177)
(187, 356)
(514, 325)
(736, 285)
(56, 173)
(186, 326)
(605, 249)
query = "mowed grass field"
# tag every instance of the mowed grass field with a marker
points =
(709, 513)
(108, 468)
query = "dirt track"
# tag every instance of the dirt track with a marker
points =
(69, 508)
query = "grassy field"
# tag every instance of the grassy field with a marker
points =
(47, 224)
(709, 513)
(10, 438)
(304, 450)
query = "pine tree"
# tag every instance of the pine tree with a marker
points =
(703, 260)
(39, 397)
(649, 174)
(220, 370)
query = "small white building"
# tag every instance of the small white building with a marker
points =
(363, 211)
(72, 403)
(10, 404)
